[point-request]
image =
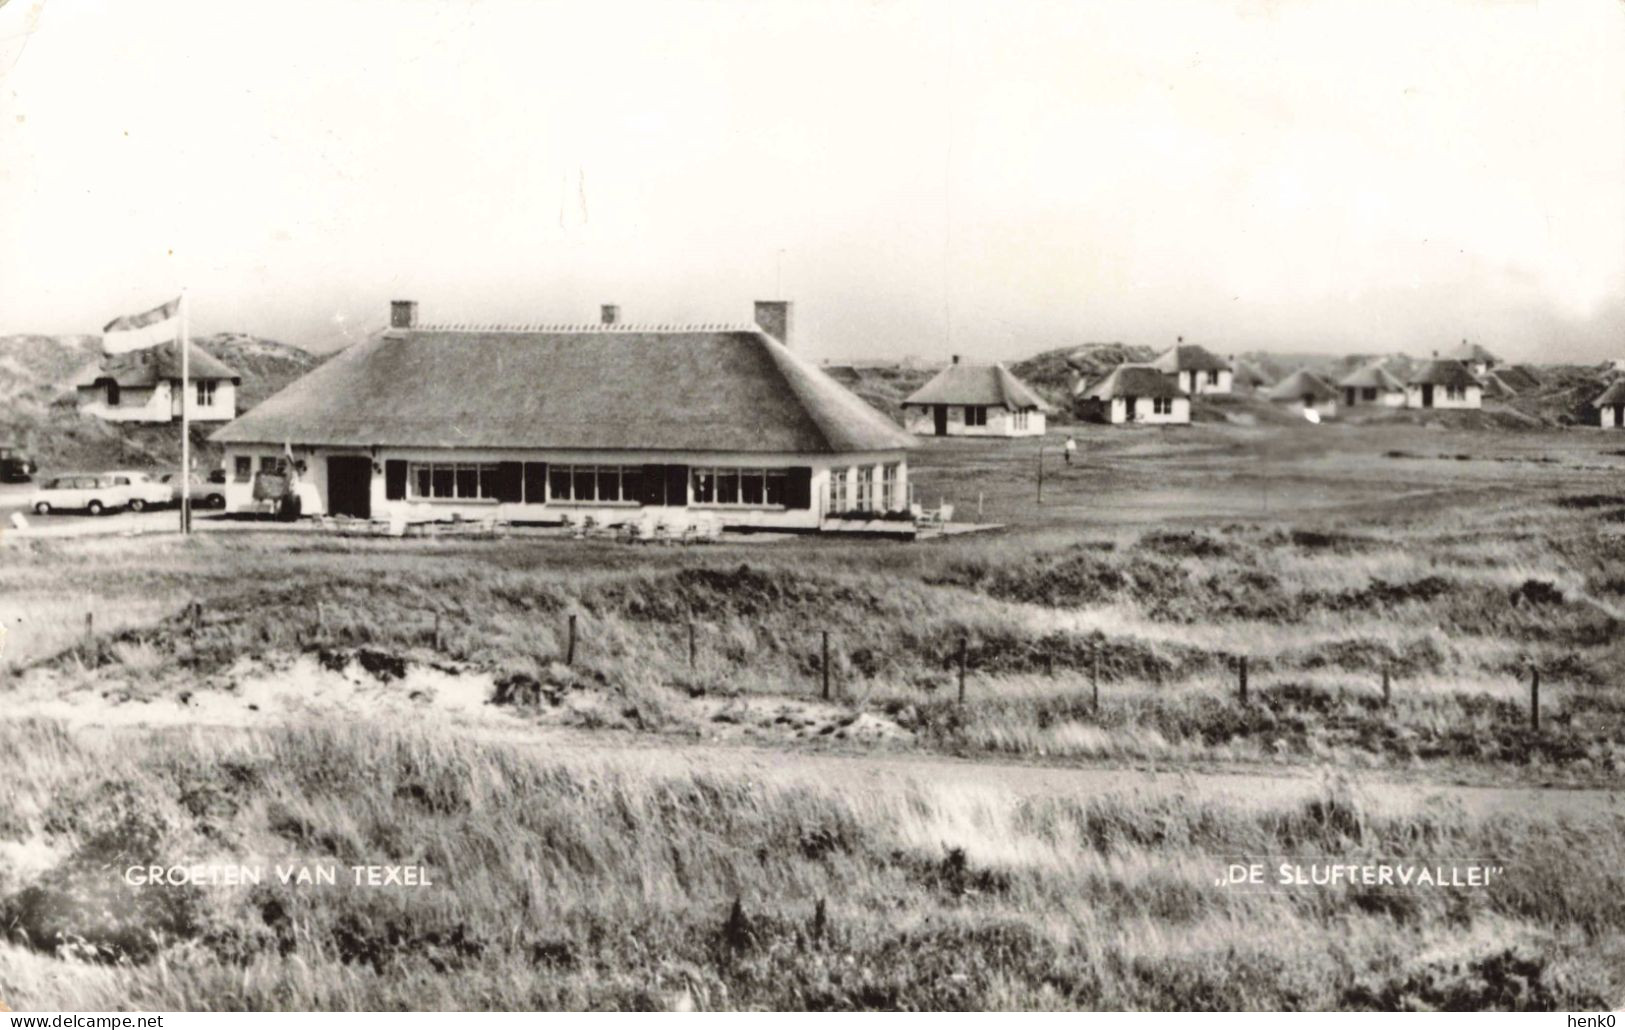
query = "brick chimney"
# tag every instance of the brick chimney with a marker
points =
(773, 318)
(610, 314)
(403, 314)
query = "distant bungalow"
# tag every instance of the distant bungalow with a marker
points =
(1611, 406)
(1134, 393)
(1303, 391)
(1443, 383)
(975, 400)
(145, 386)
(1195, 369)
(1247, 377)
(1372, 386)
(1476, 358)
(534, 424)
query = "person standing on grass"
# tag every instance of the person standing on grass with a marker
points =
(1069, 448)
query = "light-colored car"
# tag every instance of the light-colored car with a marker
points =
(94, 492)
(206, 493)
(145, 491)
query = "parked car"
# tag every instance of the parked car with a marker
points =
(145, 491)
(94, 492)
(15, 466)
(206, 493)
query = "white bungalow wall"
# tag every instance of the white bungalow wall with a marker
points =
(239, 493)
(1144, 412)
(1612, 416)
(1473, 397)
(1194, 382)
(921, 421)
(157, 404)
(1325, 409)
(1355, 397)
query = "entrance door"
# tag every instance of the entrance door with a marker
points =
(941, 414)
(349, 486)
(1427, 396)
(1619, 415)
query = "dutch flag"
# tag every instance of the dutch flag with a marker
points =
(138, 332)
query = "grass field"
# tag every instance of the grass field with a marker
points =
(1455, 560)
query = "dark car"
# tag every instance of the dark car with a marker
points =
(15, 466)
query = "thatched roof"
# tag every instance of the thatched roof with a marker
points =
(1519, 378)
(1615, 394)
(991, 385)
(153, 365)
(1132, 381)
(1249, 375)
(1470, 352)
(1442, 372)
(1189, 357)
(701, 389)
(1495, 387)
(1372, 375)
(1300, 384)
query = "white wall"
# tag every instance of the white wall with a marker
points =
(921, 421)
(1194, 382)
(159, 403)
(1474, 397)
(1143, 412)
(239, 495)
(1612, 416)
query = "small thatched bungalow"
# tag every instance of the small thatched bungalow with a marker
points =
(1477, 359)
(1372, 386)
(1248, 378)
(1611, 406)
(975, 400)
(1195, 369)
(535, 424)
(1443, 383)
(145, 386)
(1303, 391)
(1134, 393)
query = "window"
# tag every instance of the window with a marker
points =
(444, 481)
(1369, 393)
(112, 394)
(205, 393)
(1162, 405)
(595, 484)
(242, 468)
(888, 487)
(272, 466)
(753, 488)
(838, 494)
(1020, 420)
(975, 415)
(1213, 377)
(1455, 393)
(866, 488)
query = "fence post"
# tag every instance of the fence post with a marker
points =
(1094, 674)
(961, 669)
(1534, 699)
(1387, 689)
(437, 636)
(321, 619)
(90, 628)
(1040, 473)
(978, 506)
(692, 653)
(823, 665)
(1049, 665)
(1241, 667)
(197, 616)
(570, 647)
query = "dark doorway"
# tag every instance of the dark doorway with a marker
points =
(349, 486)
(1427, 396)
(1619, 415)
(940, 412)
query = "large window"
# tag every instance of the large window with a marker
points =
(1455, 393)
(1019, 419)
(752, 488)
(975, 415)
(1162, 405)
(866, 490)
(595, 484)
(242, 468)
(1213, 377)
(445, 481)
(888, 487)
(273, 465)
(839, 496)
(205, 393)
(1368, 393)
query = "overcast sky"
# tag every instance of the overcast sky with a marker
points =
(987, 178)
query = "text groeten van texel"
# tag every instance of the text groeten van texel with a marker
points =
(319, 875)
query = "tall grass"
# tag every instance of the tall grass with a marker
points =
(564, 885)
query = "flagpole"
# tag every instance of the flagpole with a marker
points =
(186, 422)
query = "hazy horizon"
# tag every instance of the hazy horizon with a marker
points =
(921, 179)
